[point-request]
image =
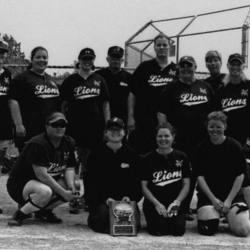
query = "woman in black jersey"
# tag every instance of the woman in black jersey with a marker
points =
(33, 96)
(220, 165)
(233, 99)
(165, 180)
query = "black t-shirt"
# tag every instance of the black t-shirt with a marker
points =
(113, 175)
(6, 122)
(234, 101)
(215, 83)
(84, 97)
(186, 107)
(118, 90)
(147, 83)
(220, 165)
(40, 151)
(85, 108)
(37, 96)
(165, 176)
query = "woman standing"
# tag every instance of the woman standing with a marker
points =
(165, 184)
(233, 99)
(33, 95)
(220, 166)
(146, 85)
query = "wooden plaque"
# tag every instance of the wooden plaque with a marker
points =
(122, 218)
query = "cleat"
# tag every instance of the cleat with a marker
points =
(17, 218)
(47, 216)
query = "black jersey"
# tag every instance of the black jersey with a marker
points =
(147, 83)
(220, 165)
(113, 174)
(85, 108)
(165, 176)
(40, 151)
(37, 96)
(186, 107)
(6, 127)
(234, 101)
(215, 83)
(118, 90)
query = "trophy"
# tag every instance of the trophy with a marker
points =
(122, 218)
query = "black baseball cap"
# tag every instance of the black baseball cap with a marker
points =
(115, 123)
(54, 117)
(87, 52)
(187, 59)
(115, 51)
(237, 57)
(4, 47)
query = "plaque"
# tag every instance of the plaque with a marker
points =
(122, 218)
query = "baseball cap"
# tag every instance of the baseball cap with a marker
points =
(54, 117)
(213, 53)
(87, 52)
(187, 59)
(115, 51)
(236, 56)
(115, 123)
(4, 47)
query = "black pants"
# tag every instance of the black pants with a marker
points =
(158, 225)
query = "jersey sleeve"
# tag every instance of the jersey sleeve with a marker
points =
(186, 170)
(71, 161)
(37, 154)
(145, 173)
(16, 88)
(134, 80)
(164, 101)
(64, 91)
(104, 90)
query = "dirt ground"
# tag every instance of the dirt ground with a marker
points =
(74, 234)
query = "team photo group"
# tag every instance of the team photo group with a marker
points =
(107, 139)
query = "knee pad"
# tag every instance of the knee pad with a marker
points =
(29, 200)
(208, 227)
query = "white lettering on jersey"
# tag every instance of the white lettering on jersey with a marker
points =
(3, 90)
(45, 92)
(230, 104)
(157, 81)
(163, 178)
(55, 169)
(190, 99)
(84, 92)
(124, 165)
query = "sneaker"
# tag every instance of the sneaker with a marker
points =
(47, 216)
(17, 218)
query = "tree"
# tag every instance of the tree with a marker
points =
(14, 47)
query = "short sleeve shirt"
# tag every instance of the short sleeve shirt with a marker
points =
(118, 90)
(146, 84)
(220, 165)
(40, 151)
(37, 96)
(165, 176)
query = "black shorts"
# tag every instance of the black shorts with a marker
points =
(15, 190)
(204, 201)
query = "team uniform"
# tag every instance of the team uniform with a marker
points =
(85, 112)
(6, 127)
(112, 175)
(233, 100)
(118, 90)
(186, 107)
(40, 151)
(37, 96)
(147, 83)
(215, 83)
(164, 178)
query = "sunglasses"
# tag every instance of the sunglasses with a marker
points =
(188, 64)
(58, 125)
